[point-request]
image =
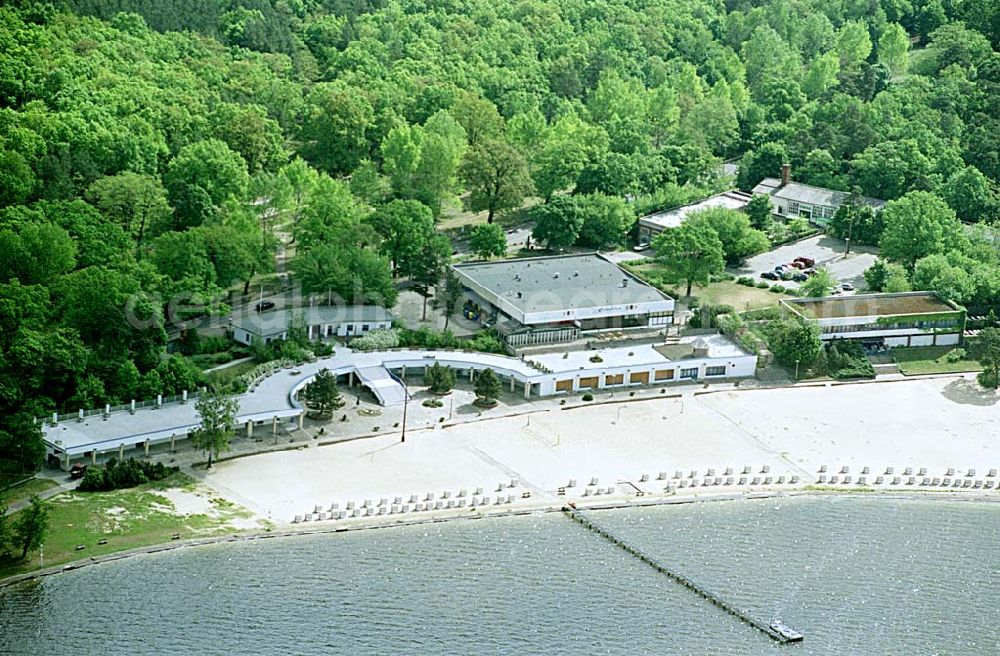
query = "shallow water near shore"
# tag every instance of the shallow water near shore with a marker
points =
(857, 575)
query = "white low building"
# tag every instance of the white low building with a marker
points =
(790, 199)
(703, 358)
(905, 319)
(653, 224)
(318, 322)
(273, 397)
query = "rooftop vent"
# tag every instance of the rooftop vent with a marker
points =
(576, 274)
(555, 275)
(624, 282)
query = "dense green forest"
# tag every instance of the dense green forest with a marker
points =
(150, 148)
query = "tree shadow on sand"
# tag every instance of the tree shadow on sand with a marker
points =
(969, 392)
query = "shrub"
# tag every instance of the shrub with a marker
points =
(746, 281)
(485, 342)
(118, 474)
(762, 284)
(432, 403)
(763, 314)
(846, 359)
(213, 344)
(322, 349)
(956, 355)
(377, 340)
(778, 289)
(588, 397)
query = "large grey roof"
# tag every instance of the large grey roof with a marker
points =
(803, 193)
(267, 324)
(544, 284)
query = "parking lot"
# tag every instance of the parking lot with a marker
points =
(827, 251)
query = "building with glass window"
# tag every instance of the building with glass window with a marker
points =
(906, 319)
(796, 200)
(318, 322)
(546, 300)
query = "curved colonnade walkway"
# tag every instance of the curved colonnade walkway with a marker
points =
(272, 398)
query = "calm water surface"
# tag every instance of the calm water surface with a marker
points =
(856, 575)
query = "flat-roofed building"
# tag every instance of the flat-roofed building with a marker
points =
(906, 319)
(544, 300)
(319, 322)
(653, 224)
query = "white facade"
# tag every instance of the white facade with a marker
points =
(318, 322)
(273, 399)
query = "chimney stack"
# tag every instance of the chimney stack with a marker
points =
(786, 174)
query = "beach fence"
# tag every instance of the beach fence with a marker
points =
(744, 616)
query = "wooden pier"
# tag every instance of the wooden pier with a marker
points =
(761, 625)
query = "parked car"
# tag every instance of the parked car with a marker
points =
(789, 274)
(798, 264)
(770, 275)
(800, 277)
(847, 287)
(77, 470)
(638, 248)
(778, 269)
(809, 271)
(808, 261)
(264, 305)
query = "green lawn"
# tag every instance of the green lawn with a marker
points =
(25, 490)
(127, 519)
(742, 298)
(917, 360)
(225, 376)
(724, 292)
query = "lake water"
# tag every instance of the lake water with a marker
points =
(857, 575)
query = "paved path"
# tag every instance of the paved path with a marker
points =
(47, 494)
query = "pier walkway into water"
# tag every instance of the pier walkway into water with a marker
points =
(761, 625)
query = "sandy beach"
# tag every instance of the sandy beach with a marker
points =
(935, 424)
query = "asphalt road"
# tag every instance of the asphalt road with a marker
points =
(828, 252)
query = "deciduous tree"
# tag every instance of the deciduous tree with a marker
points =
(30, 526)
(819, 284)
(217, 414)
(497, 177)
(488, 240)
(794, 342)
(690, 252)
(988, 347)
(917, 225)
(739, 238)
(557, 224)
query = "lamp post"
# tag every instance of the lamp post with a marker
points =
(406, 403)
